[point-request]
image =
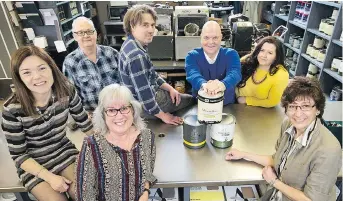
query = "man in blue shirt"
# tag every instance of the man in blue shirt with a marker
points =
(90, 67)
(136, 70)
(212, 67)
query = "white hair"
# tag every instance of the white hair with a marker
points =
(82, 18)
(116, 92)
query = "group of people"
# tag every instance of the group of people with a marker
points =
(110, 93)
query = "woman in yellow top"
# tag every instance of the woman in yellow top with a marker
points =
(264, 77)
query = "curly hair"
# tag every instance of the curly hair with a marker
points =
(304, 87)
(250, 62)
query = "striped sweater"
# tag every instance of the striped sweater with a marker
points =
(42, 137)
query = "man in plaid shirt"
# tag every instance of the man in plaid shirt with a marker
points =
(136, 71)
(90, 67)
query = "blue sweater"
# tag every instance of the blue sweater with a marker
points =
(226, 69)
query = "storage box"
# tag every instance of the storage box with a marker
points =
(169, 194)
(233, 193)
(204, 193)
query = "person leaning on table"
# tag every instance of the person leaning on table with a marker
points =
(264, 76)
(34, 122)
(116, 163)
(308, 157)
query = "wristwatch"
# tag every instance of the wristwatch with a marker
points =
(147, 190)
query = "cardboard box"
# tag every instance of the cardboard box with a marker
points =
(249, 192)
(204, 193)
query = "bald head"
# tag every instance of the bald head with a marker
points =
(211, 26)
(211, 37)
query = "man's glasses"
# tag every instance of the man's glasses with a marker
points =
(82, 33)
(111, 112)
(293, 108)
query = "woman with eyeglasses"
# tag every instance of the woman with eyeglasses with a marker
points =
(308, 157)
(117, 162)
(264, 76)
(34, 121)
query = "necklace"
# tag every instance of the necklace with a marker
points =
(258, 82)
(49, 114)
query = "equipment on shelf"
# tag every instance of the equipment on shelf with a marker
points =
(117, 12)
(242, 33)
(221, 10)
(183, 16)
(162, 46)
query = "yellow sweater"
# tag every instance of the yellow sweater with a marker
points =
(269, 92)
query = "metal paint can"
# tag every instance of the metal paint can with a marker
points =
(321, 55)
(210, 107)
(289, 53)
(314, 52)
(222, 134)
(291, 39)
(329, 28)
(309, 49)
(194, 133)
(318, 42)
(336, 63)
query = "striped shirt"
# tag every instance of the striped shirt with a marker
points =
(90, 78)
(105, 172)
(43, 137)
(138, 74)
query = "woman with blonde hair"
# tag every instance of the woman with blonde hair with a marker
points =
(34, 121)
(117, 162)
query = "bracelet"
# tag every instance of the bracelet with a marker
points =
(273, 181)
(39, 172)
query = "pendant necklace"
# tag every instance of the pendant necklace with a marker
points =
(258, 82)
(49, 114)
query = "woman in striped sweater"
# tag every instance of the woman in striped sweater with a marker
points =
(34, 122)
(116, 163)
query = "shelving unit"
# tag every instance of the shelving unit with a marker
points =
(66, 12)
(319, 10)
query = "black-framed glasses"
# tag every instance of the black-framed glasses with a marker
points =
(111, 112)
(82, 33)
(293, 108)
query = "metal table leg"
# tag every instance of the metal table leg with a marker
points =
(186, 193)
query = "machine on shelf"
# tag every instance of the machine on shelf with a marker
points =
(185, 15)
(222, 10)
(162, 45)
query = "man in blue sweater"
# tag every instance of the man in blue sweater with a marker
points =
(212, 67)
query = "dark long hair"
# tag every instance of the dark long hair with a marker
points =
(61, 86)
(250, 62)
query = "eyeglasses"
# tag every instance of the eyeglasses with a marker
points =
(82, 33)
(112, 112)
(293, 108)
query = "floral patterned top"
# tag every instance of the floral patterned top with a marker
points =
(107, 172)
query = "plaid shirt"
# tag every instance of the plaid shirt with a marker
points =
(138, 74)
(90, 78)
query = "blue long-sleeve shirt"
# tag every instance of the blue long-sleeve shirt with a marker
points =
(227, 69)
(138, 74)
